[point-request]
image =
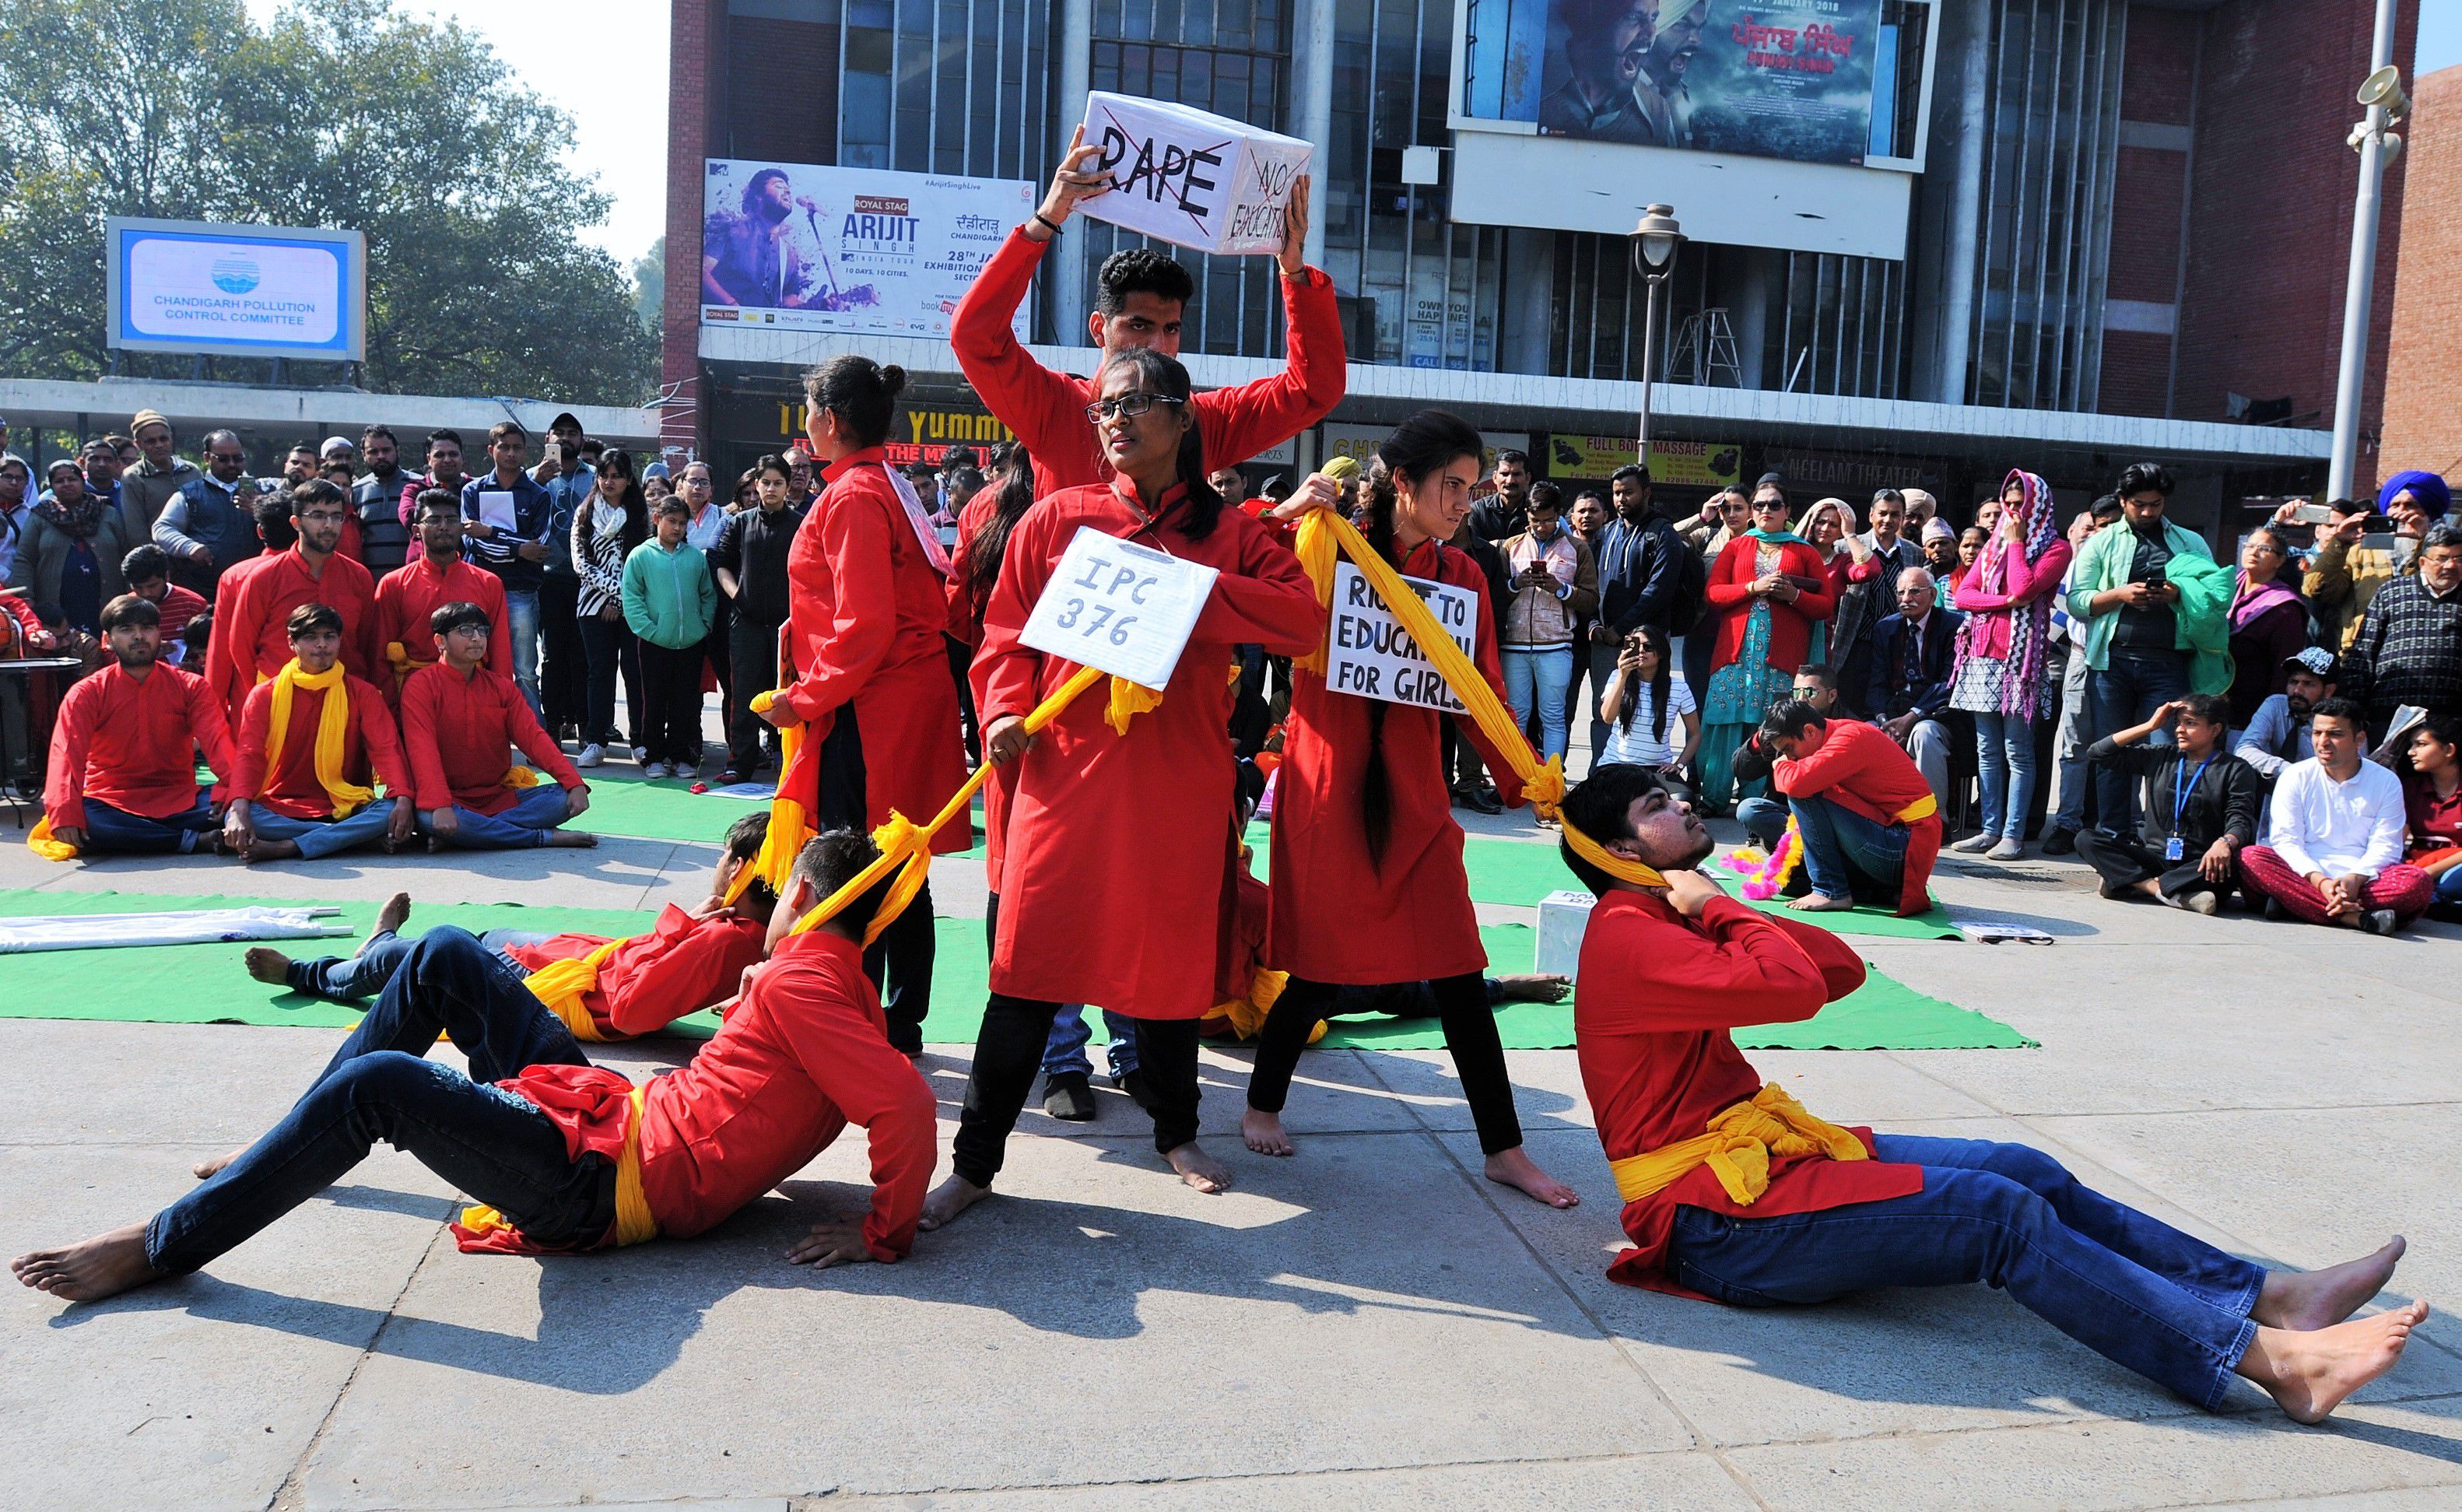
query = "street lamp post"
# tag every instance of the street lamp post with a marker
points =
(1654, 242)
(2377, 146)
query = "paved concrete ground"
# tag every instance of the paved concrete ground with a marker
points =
(1370, 1325)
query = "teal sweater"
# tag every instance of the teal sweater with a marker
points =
(669, 599)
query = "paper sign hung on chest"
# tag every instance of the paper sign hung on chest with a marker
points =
(1190, 177)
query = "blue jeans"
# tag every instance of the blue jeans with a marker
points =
(2005, 769)
(1763, 818)
(2136, 1291)
(526, 823)
(1542, 675)
(2448, 894)
(110, 828)
(317, 837)
(2127, 692)
(380, 1086)
(1065, 1051)
(348, 978)
(1843, 850)
(522, 609)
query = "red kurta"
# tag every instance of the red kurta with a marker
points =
(1659, 994)
(866, 618)
(455, 730)
(133, 744)
(1336, 917)
(1860, 769)
(1047, 409)
(251, 637)
(1790, 624)
(683, 965)
(371, 745)
(966, 623)
(408, 595)
(803, 1055)
(1116, 885)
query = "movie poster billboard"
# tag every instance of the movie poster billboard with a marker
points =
(1771, 79)
(862, 251)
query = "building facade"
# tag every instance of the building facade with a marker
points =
(2423, 423)
(2058, 234)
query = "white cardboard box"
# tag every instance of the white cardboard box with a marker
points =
(1191, 176)
(1562, 916)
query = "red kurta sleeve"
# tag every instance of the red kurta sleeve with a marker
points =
(1268, 602)
(531, 739)
(1239, 423)
(212, 733)
(681, 965)
(422, 727)
(1751, 969)
(849, 1059)
(380, 738)
(255, 728)
(1045, 409)
(71, 736)
(834, 665)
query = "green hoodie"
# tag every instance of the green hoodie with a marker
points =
(2203, 615)
(669, 599)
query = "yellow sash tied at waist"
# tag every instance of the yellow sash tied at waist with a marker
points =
(1323, 535)
(563, 984)
(1923, 807)
(1737, 1147)
(42, 842)
(633, 1220)
(404, 662)
(520, 776)
(332, 733)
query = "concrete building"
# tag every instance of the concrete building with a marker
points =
(2423, 420)
(2069, 234)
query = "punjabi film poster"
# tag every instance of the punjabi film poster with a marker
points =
(1772, 78)
(861, 250)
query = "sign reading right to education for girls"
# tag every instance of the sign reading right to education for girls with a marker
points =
(860, 250)
(1368, 653)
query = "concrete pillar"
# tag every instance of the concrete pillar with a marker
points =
(1065, 262)
(1312, 102)
(1528, 312)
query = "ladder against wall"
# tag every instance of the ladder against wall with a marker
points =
(1705, 346)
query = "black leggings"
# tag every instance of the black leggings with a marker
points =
(1470, 1036)
(1008, 1054)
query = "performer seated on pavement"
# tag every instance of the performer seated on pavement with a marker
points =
(123, 769)
(1869, 825)
(252, 608)
(310, 743)
(409, 598)
(457, 719)
(2202, 804)
(1733, 1190)
(688, 962)
(576, 1157)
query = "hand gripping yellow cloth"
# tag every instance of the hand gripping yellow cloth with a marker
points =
(1322, 534)
(634, 1220)
(562, 984)
(41, 842)
(332, 733)
(1738, 1147)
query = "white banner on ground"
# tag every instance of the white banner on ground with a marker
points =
(182, 927)
(1125, 608)
(1369, 652)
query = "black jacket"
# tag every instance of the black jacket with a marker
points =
(753, 545)
(1886, 694)
(1641, 574)
(2225, 800)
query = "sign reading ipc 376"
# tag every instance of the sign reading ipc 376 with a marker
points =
(1191, 176)
(1125, 608)
(1368, 653)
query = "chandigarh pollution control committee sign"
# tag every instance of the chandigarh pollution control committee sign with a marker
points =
(244, 291)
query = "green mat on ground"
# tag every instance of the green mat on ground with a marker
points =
(209, 984)
(624, 804)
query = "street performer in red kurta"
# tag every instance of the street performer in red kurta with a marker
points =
(409, 598)
(1869, 826)
(123, 768)
(313, 743)
(1116, 888)
(1734, 1190)
(868, 675)
(1368, 888)
(251, 640)
(457, 719)
(800, 1057)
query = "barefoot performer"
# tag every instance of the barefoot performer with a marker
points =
(867, 668)
(1368, 888)
(1733, 1190)
(310, 743)
(123, 769)
(1869, 825)
(409, 598)
(457, 719)
(801, 1056)
(1116, 887)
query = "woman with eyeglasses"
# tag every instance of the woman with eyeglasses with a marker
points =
(2269, 624)
(1116, 884)
(1772, 588)
(610, 520)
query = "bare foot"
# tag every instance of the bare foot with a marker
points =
(435, 846)
(1264, 1132)
(1514, 1168)
(572, 839)
(268, 850)
(1199, 1170)
(390, 919)
(102, 1266)
(948, 1200)
(207, 1170)
(2309, 1374)
(2305, 1300)
(1533, 987)
(269, 965)
(1822, 903)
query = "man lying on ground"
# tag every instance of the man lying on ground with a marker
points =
(1734, 1190)
(310, 741)
(571, 1156)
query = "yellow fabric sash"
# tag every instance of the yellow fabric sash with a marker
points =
(1323, 535)
(332, 733)
(1737, 1147)
(404, 662)
(1923, 807)
(521, 776)
(562, 984)
(633, 1220)
(39, 840)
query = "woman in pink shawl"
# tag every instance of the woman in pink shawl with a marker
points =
(2001, 666)
(2269, 624)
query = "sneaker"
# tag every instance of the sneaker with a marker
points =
(2010, 849)
(640, 755)
(1070, 1097)
(2273, 908)
(2379, 922)
(1975, 844)
(590, 755)
(654, 770)
(2058, 841)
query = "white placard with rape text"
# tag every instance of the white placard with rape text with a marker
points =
(1368, 653)
(1125, 608)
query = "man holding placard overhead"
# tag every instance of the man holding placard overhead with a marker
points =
(1117, 886)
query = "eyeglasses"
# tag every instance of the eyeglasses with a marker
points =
(322, 517)
(1129, 406)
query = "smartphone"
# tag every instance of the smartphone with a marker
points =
(554, 452)
(2312, 514)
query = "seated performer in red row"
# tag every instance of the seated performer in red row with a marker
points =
(457, 719)
(1869, 825)
(801, 1056)
(310, 744)
(1733, 1190)
(123, 769)
(409, 598)
(249, 643)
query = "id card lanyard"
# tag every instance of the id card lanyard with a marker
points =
(2176, 849)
